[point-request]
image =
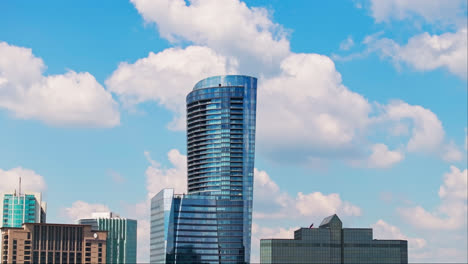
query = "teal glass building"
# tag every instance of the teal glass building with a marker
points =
(121, 244)
(212, 223)
(19, 208)
(332, 244)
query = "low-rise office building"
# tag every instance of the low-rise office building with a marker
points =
(52, 243)
(332, 244)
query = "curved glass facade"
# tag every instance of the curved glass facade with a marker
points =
(212, 223)
(221, 115)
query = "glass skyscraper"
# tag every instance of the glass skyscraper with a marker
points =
(332, 244)
(212, 223)
(19, 208)
(121, 243)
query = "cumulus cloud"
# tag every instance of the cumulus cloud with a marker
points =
(30, 180)
(382, 157)
(425, 52)
(434, 11)
(227, 26)
(167, 77)
(383, 230)
(66, 99)
(307, 109)
(451, 213)
(158, 178)
(451, 153)
(270, 202)
(427, 133)
(81, 209)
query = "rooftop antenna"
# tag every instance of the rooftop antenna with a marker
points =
(19, 191)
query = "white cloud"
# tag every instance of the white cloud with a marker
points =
(159, 178)
(319, 204)
(309, 111)
(455, 185)
(452, 212)
(30, 180)
(382, 157)
(143, 234)
(433, 11)
(227, 26)
(270, 202)
(80, 209)
(383, 230)
(167, 77)
(66, 99)
(426, 52)
(427, 133)
(259, 232)
(347, 43)
(451, 153)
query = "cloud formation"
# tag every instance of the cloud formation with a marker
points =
(158, 178)
(435, 11)
(72, 98)
(383, 230)
(30, 180)
(307, 109)
(167, 77)
(382, 157)
(81, 209)
(227, 26)
(451, 213)
(270, 202)
(425, 52)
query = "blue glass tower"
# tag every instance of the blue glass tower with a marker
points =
(212, 223)
(221, 115)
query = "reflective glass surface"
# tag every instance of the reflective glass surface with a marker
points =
(330, 243)
(212, 223)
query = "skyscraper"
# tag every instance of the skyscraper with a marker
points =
(121, 236)
(18, 208)
(212, 223)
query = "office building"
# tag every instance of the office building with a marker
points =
(332, 244)
(52, 243)
(18, 208)
(121, 236)
(212, 223)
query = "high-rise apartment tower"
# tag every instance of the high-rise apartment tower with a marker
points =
(212, 223)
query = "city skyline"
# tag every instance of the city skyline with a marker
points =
(361, 110)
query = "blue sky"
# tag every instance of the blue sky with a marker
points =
(362, 109)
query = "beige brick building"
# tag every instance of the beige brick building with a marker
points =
(52, 243)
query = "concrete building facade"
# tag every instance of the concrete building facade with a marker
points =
(52, 243)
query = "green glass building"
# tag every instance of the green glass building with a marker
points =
(121, 236)
(332, 244)
(19, 208)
